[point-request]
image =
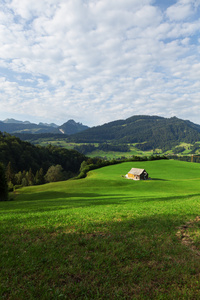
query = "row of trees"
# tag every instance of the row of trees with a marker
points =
(195, 158)
(88, 148)
(28, 178)
(9, 180)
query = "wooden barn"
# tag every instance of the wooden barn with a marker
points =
(137, 174)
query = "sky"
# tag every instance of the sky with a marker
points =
(97, 61)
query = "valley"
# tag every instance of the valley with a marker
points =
(142, 135)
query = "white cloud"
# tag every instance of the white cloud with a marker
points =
(97, 61)
(179, 12)
(183, 9)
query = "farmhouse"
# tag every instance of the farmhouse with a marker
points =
(137, 174)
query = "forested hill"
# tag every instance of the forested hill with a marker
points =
(150, 131)
(23, 156)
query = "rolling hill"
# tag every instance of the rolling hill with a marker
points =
(104, 237)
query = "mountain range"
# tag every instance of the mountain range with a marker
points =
(13, 126)
(148, 132)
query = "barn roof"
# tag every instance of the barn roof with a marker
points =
(136, 171)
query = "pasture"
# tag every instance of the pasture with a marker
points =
(105, 237)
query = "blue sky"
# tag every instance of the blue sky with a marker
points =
(96, 61)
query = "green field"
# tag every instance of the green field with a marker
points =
(105, 237)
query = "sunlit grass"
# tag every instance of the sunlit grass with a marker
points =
(104, 236)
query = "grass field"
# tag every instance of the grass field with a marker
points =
(105, 237)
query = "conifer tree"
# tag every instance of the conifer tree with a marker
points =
(9, 173)
(3, 184)
(30, 177)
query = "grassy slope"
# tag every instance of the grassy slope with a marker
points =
(103, 237)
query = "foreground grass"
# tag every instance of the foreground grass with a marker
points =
(104, 236)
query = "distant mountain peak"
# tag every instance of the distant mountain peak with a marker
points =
(71, 121)
(13, 121)
(72, 127)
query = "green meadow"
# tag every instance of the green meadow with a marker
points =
(104, 236)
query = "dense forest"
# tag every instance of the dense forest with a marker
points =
(149, 132)
(3, 184)
(29, 164)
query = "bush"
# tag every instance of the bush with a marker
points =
(54, 173)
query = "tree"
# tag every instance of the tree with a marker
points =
(24, 181)
(3, 184)
(18, 178)
(39, 177)
(9, 173)
(30, 177)
(54, 173)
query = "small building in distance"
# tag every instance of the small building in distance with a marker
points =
(137, 174)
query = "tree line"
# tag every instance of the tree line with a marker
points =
(88, 148)
(28, 178)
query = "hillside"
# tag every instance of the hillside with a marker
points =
(104, 237)
(148, 131)
(24, 156)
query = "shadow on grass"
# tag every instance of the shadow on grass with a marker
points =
(55, 201)
(124, 253)
(159, 179)
(43, 202)
(169, 198)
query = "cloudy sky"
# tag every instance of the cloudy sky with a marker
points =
(96, 61)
